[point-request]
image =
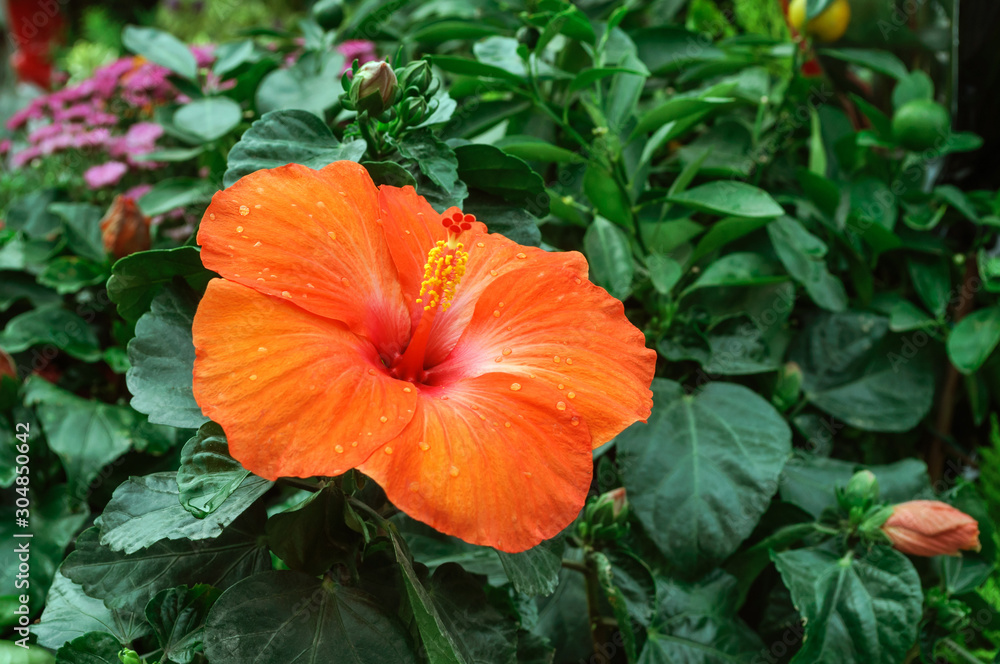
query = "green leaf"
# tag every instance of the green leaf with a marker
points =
(86, 435)
(129, 581)
(957, 199)
(458, 65)
(209, 118)
(916, 85)
(31, 214)
(291, 617)
(162, 48)
(740, 268)
(730, 198)
(178, 618)
(858, 372)
(162, 359)
(288, 137)
(70, 613)
(312, 536)
(616, 598)
(588, 77)
(531, 148)
(501, 175)
(69, 274)
(438, 164)
(974, 339)
(442, 31)
(723, 232)
(92, 648)
(664, 272)
(209, 476)
(137, 278)
(82, 224)
(535, 571)
(168, 195)
(17, 286)
(931, 277)
(702, 471)
(311, 85)
(803, 255)
(389, 172)
(513, 223)
(610, 257)
(856, 610)
(696, 623)
(606, 196)
(145, 510)
(679, 109)
(53, 326)
(456, 624)
(882, 62)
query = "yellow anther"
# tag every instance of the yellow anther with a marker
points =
(443, 271)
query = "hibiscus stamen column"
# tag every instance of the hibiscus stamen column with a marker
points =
(443, 271)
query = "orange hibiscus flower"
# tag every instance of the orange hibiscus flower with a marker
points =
(355, 327)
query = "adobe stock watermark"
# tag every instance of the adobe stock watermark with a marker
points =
(22, 537)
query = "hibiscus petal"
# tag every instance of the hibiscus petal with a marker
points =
(297, 394)
(548, 324)
(412, 228)
(490, 460)
(311, 237)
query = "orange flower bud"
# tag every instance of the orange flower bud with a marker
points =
(124, 228)
(931, 528)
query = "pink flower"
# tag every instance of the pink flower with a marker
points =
(360, 49)
(204, 54)
(105, 175)
(931, 528)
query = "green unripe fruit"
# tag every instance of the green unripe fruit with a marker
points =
(328, 13)
(921, 124)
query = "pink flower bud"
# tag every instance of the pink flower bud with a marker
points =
(931, 528)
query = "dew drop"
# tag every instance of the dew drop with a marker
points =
(371, 372)
(262, 350)
(383, 419)
(407, 232)
(239, 229)
(496, 313)
(414, 486)
(407, 389)
(560, 386)
(310, 285)
(354, 443)
(569, 360)
(244, 210)
(285, 293)
(423, 446)
(578, 281)
(253, 376)
(260, 278)
(575, 421)
(388, 450)
(345, 281)
(557, 359)
(211, 216)
(260, 190)
(507, 424)
(454, 471)
(332, 235)
(257, 244)
(343, 193)
(527, 474)
(515, 386)
(480, 244)
(571, 395)
(561, 405)
(339, 449)
(257, 207)
(522, 255)
(493, 273)
(498, 358)
(507, 351)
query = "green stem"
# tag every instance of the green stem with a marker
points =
(962, 652)
(598, 630)
(575, 566)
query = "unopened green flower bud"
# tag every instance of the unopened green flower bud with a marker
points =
(415, 78)
(605, 518)
(789, 386)
(862, 487)
(413, 110)
(373, 88)
(127, 656)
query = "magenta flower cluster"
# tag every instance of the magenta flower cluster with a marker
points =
(103, 115)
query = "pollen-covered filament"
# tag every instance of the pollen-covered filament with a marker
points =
(443, 271)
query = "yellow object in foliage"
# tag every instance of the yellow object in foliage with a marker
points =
(829, 26)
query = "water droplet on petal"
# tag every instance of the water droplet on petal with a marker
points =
(388, 450)
(239, 229)
(527, 474)
(257, 207)
(507, 351)
(354, 443)
(211, 216)
(253, 376)
(480, 244)
(561, 405)
(407, 389)
(557, 359)
(507, 424)
(575, 421)
(262, 350)
(493, 273)
(560, 386)
(454, 471)
(244, 210)
(339, 449)
(414, 486)
(345, 281)
(571, 395)
(383, 419)
(285, 293)
(371, 372)
(498, 358)
(310, 285)
(423, 446)
(522, 255)
(496, 313)
(515, 386)
(257, 244)
(332, 235)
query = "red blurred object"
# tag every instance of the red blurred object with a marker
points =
(35, 26)
(811, 67)
(124, 228)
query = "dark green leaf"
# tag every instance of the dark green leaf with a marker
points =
(17, 286)
(311, 85)
(856, 610)
(68, 274)
(438, 164)
(129, 581)
(53, 326)
(442, 31)
(501, 175)
(178, 618)
(92, 648)
(168, 195)
(294, 618)
(606, 196)
(145, 510)
(973, 339)
(389, 172)
(466, 67)
(137, 278)
(82, 223)
(703, 470)
(803, 255)
(288, 137)
(162, 48)
(882, 62)
(931, 277)
(535, 571)
(70, 613)
(531, 148)
(858, 372)
(162, 359)
(208, 476)
(513, 223)
(208, 118)
(312, 536)
(31, 215)
(610, 257)
(730, 198)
